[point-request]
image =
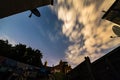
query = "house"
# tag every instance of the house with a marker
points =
(105, 68)
(62, 67)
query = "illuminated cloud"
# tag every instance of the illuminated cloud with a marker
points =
(88, 33)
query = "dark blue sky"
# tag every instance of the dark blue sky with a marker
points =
(43, 33)
(68, 30)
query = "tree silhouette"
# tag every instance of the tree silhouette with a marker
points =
(4, 47)
(21, 53)
(37, 57)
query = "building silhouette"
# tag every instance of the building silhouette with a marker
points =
(62, 67)
(113, 13)
(105, 68)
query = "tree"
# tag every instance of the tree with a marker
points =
(37, 57)
(4, 47)
(20, 50)
(20, 53)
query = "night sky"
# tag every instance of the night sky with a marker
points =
(69, 30)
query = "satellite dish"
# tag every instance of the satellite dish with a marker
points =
(35, 12)
(116, 30)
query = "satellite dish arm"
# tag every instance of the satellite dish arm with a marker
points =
(30, 15)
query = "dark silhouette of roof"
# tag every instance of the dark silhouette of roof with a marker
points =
(113, 14)
(10, 7)
(105, 68)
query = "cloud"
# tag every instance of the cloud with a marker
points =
(11, 41)
(88, 33)
(53, 37)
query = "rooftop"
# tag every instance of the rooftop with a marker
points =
(113, 13)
